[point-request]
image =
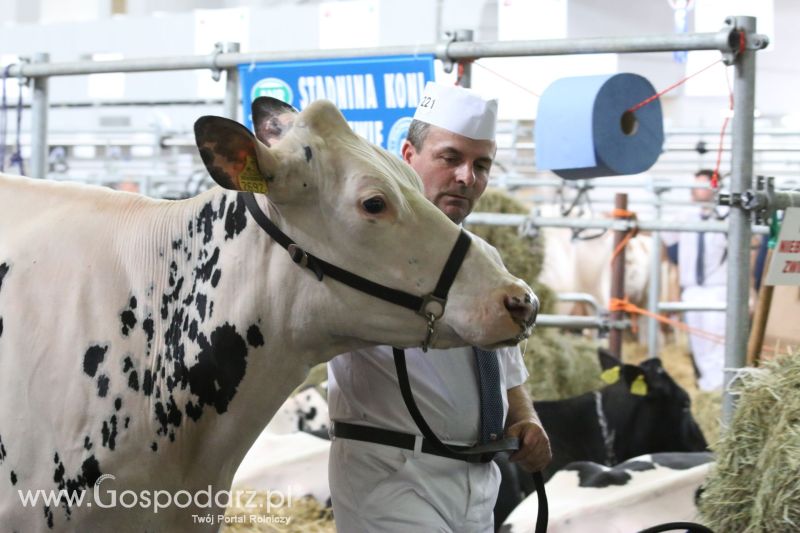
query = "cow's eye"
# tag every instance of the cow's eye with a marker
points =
(374, 205)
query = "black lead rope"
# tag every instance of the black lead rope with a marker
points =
(486, 451)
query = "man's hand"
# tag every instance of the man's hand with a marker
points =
(534, 446)
(523, 423)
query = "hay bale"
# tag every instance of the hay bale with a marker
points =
(755, 485)
(300, 515)
(522, 255)
(561, 366)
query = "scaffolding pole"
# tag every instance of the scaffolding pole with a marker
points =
(723, 40)
(739, 230)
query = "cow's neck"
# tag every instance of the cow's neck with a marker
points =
(232, 327)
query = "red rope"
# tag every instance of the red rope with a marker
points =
(715, 174)
(742, 44)
(460, 70)
(674, 85)
(509, 80)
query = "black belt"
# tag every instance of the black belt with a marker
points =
(405, 441)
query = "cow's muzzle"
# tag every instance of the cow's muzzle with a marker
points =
(523, 311)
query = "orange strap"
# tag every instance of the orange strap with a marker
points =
(625, 306)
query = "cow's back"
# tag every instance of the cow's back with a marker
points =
(102, 346)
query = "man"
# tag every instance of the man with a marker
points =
(702, 272)
(380, 487)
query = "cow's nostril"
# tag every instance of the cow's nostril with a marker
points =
(521, 310)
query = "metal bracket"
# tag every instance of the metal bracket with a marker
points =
(27, 80)
(729, 56)
(216, 72)
(528, 229)
(753, 41)
(764, 201)
(448, 63)
(730, 199)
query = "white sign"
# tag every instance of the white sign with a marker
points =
(785, 266)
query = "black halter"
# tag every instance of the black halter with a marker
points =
(430, 306)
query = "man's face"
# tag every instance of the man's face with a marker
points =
(454, 169)
(702, 195)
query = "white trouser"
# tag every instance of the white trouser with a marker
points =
(709, 355)
(378, 488)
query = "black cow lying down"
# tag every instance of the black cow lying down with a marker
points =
(643, 411)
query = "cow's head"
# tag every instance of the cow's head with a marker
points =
(362, 209)
(657, 409)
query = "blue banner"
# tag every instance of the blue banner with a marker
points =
(377, 95)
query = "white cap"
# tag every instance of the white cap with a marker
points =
(462, 111)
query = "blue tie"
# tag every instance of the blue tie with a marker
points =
(491, 426)
(700, 265)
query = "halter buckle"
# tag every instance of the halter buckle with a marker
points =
(432, 306)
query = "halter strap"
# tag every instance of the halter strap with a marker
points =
(422, 305)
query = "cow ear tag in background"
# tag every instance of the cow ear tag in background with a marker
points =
(250, 178)
(611, 375)
(639, 386)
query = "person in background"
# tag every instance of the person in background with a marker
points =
(702, 271)
(385, 486)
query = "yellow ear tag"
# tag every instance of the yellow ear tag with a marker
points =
(639, 386)
(250, 178)
(610, 375)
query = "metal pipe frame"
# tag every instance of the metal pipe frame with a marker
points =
(654, 287)
(676, 307)
(739, 229)
(650, 183)
(530, 223)
(576, 322)
(39, 109)
(723, 40)
(580, 297)
(231, 103)
(726, 40)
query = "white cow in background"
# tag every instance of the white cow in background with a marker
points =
(289, 455)
(295, 463)
(575, 265)
(305, 411)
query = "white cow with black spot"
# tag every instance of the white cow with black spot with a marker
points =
(640, 493)
(144, 344)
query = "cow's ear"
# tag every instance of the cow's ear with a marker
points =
(639, 386)
(272, 119)
(325, 118)
(607, 359)
(235, 159)
(635, 378)
(610, 375)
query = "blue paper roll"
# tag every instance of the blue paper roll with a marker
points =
(584, 129)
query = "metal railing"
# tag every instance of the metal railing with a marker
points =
(727, 41)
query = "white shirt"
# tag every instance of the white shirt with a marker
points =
(363, 389)
(715, 246)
